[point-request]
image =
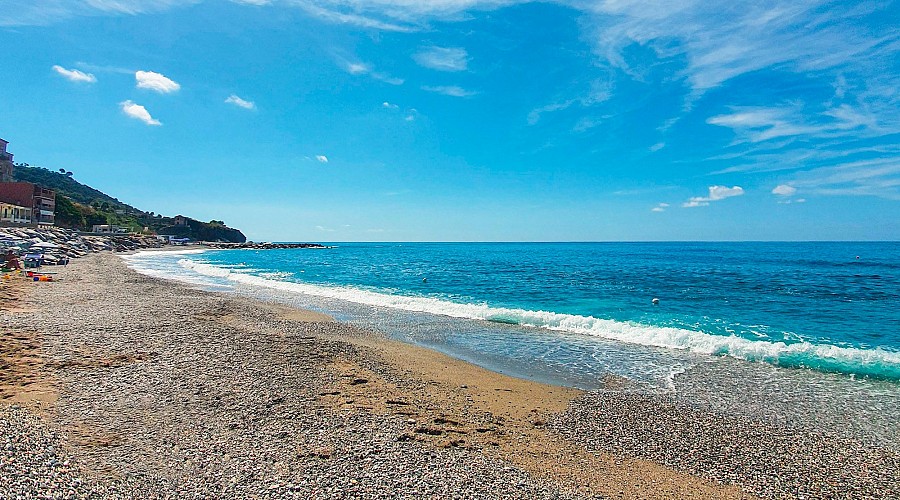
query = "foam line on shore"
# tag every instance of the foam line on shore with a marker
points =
(152, 253)
(877, 362)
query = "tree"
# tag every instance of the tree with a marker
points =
(62, 170)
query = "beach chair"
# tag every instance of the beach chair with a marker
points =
(33, 260)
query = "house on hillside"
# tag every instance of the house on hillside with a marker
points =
(41, 200)
(6, 163)
(14, 214)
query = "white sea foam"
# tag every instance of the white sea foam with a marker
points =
(143, 254)
(877, 362)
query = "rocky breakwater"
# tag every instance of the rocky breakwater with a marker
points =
(264, 246)
(58, 244)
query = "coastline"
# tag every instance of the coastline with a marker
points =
(169, 390)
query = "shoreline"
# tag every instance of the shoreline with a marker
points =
(133, 357)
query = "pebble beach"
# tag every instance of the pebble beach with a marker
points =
(125, 386)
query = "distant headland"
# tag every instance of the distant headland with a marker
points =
(37, 197)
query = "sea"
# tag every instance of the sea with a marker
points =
(799, 334)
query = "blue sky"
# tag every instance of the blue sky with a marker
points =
(462, 120)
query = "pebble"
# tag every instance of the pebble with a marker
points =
(766, 459)
(184, 406)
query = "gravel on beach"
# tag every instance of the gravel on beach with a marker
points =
(208, 397)
(166, 391)
(768, 460)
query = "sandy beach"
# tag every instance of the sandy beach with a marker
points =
(118, 384)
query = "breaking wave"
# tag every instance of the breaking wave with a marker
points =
(876, 362)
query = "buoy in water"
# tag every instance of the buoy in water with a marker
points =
(424, 280)
(655, 300)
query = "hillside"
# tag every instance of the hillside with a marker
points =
(80, 207)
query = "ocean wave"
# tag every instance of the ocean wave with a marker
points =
(875, 362)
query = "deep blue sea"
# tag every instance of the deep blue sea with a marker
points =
(806, 332)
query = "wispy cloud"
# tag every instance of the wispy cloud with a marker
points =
(443, 58)
(597, 92)
(390, 80)
(656, 147)
(156, 82)
(719, 45)
(716, 193)
(339, 14)
(784, 190)
(321, 158)
(74, 75)
(241, 103)
(360, 68)
(19, 13)
(408, 115)
(135, 6)
(452, 90)
(661, 207)
(138, 112)
(874, 177)
(356, 68)
(758, 124)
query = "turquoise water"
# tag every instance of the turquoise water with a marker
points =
(822, 316)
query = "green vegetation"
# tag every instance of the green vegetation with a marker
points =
(81, 207)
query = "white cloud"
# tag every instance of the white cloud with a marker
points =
(760, 124)
(75, 75)
(716, 193)
(451, 90)
(534, 115)
(155, 82)
(135, 6)
(873, 177)
(357, 68)
(390, 80)
(718, 45)
(660, 207)
(338, 14)
(443, 58)
(388, 105)
(253, 2)
(656, 147)
(138, 112)
(784, 190)
(597, 92)
(321, 158)
(324, 229)
(237, 101)
(44, 12)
